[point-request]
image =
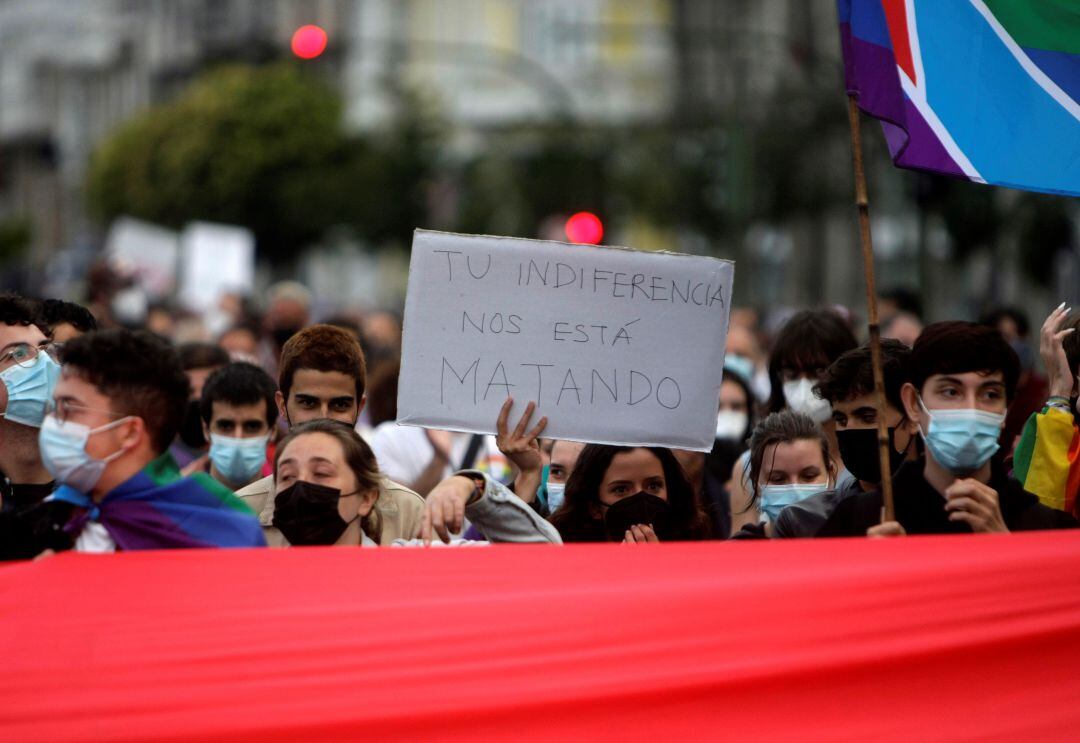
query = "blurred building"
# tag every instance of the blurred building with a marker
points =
(498, 63)
(725, 73)
(71, 71)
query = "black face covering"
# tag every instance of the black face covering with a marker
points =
(722, 458)
(859, 450)
(639, 509)
(283, 334)
(191, 431)
(307, 514)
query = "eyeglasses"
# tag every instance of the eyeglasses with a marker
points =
(63, 409)
(24, 354)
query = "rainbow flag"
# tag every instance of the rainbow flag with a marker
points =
(987, 90)
(159, 509)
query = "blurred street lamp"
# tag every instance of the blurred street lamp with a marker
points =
(308, 42)
(585, 228)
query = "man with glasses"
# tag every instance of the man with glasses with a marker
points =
(117, 406)
(28, 374)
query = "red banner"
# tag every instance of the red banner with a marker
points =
(935, 638)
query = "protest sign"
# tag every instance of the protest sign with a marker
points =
(615, 346)
(216, 258)
(148, 252)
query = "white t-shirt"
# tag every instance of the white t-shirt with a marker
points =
(403, 452)
(94, 538)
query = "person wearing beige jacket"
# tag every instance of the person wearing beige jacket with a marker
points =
(397, 513)
(322, 375)
(328, 483)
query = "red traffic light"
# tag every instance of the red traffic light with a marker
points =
(308, 42)
(584, 227)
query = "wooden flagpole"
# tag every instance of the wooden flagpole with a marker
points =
(863, 205)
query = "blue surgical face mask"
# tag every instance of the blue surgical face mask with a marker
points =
(238, 460)
(63, 452)
(30, 387)
(774, 498)
(962, 440)
(740, 365)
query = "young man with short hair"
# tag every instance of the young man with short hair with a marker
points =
(117, 405)
(28, 375)
(961, 377)
(848, 385)
(238, 412)
(66, 320)
(322, 374)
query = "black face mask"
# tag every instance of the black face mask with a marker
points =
(859, 450)
(722, 458)
(639, 509)
(307, 514)
(191, 430)
(283, 334)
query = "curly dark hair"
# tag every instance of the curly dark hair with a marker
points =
(57, 312)
(19, 310)
(138, 372)
(575, 520)
(852, 375)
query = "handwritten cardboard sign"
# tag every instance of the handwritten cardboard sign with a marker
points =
(616, 346)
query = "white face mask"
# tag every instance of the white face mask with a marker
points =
(800, 397)
(556, 492)
(731, 424)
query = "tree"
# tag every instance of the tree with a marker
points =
(265, 148)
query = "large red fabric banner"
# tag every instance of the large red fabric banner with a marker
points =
(935, 638)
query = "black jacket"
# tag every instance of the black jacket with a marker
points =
(921, 510)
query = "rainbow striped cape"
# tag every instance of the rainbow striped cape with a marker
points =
(987, 90)
(159, 509)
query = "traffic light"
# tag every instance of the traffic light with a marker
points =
(584, 227)
(308, 42)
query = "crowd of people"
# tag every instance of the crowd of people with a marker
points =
(280, 431)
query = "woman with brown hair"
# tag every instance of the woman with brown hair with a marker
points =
(629, 494)
(327, 484)
(789, 462)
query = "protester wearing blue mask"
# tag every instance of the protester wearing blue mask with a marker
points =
(804, 348)
(961, 379)
(115, 409)
(28, 375)
(238, 414)
(789, 462)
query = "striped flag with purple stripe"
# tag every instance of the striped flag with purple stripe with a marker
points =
(987, 90)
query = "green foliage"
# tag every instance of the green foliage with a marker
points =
(521, 180)
(1045, 227)
(264, 148)
(16, 235)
